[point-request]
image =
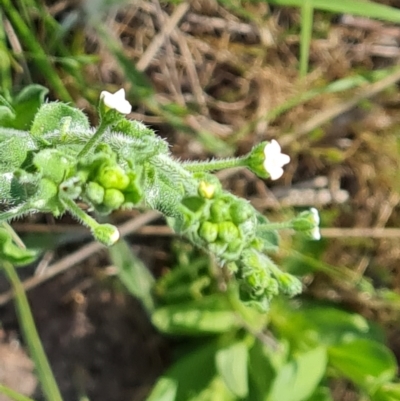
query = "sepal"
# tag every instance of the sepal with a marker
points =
(107, 234)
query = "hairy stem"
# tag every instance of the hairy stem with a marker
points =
(94, 139)
(213, 165)
(15, 212)
(78, 213)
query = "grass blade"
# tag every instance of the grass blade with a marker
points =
(28, 327)
(362, 8)
(13, 395)
(40, 57)
(307, 16)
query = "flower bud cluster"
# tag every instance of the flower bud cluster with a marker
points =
(108, 186)
(228, 228)
(218, 221)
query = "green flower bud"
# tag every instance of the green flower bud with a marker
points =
(107, 234)
(227, 231)
(308, 223)
(219, 211)
(257, 244)
(289, 284)
(95, 192)
(235, 246)
(232, 267)
(112, 177)
(218, 248)
(113, 199)
(208, 231)
(240, 211)
(234, 250)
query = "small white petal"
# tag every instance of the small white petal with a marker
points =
(315, 234)
(275, 172)
(315, 215)
(116, 101)
(114, 236)
(274, 159)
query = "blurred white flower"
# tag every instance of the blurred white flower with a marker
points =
(274, 159)
(116, 101)
(315, 234)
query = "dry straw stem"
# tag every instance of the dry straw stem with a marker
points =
(159, 39)
(335, 111)
(80, 255)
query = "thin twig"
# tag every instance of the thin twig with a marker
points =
(159, 39)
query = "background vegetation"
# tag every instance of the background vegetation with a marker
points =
(215, 78)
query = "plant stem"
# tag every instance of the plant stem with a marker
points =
(94, 139)
(277, 226)
(78, 213)
(25, 318)
(16, 211)
(212, 165)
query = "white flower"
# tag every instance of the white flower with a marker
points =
(315, 234)
(116, 101)
(274, 159)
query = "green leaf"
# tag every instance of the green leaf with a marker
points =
(187, 377)
(27, 103)
(387, 392)
(164, 390)
(335, 326)
(321, 394)
(231, 364)
(133, 273)
(261, 372)
(53, 117)
(367, 363)
(13, 150)
(12, 253)
(299, 378)
(208, 315)
(52, 164)
(20, 113)
(7, 112)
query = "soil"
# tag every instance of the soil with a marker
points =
(98, 339)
